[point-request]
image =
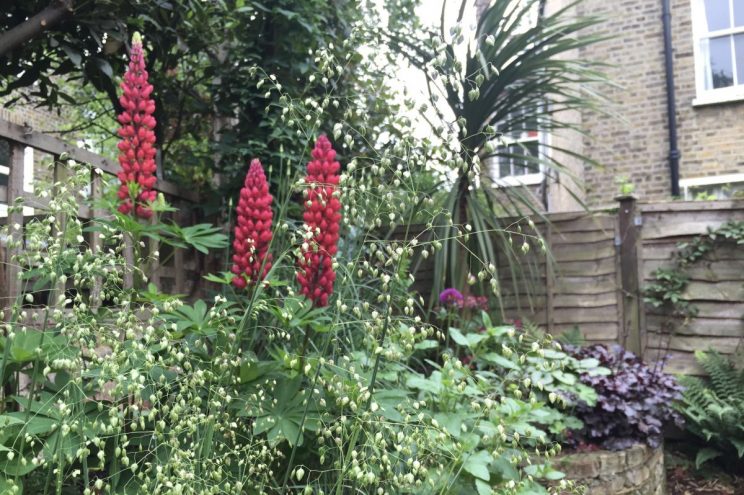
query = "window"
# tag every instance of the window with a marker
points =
(517, 151)
(715, 187)
(718, 28)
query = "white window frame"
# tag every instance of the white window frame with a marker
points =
(713, 180)
(518, 180)
(717, 95)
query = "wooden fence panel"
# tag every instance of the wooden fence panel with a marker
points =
(578, 286)
(716, 285)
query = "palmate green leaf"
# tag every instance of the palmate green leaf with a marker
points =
(224, 278)
(433, 384)
(201, 237)
(280, 416)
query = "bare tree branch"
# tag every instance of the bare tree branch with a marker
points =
(29, 29)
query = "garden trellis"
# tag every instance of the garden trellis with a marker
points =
(171, 277)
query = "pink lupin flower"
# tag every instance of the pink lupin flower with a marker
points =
(322, 217)
(252, 229)
(137, 145)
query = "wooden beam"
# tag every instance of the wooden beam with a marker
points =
(94, 240)
(55, 146)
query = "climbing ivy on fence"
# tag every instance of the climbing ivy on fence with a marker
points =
(670, 283)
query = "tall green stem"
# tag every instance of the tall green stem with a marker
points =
(372, 380)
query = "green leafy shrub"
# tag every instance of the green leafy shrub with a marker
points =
(549, 376)
(125, 390)
(714, 408)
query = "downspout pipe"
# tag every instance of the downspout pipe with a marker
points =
(674, 154)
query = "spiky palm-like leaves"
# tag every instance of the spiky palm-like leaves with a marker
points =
(521, 72)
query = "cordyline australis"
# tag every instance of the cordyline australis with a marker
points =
(316, 275)
(252, 229)
(137, 145)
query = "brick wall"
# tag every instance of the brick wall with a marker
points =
(40, 119)
(635, 145)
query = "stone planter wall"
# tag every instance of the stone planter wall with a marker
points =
(638, 470)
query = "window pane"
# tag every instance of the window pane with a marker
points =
(517, 161)
(504, 166)
(721, 67)
(717, 14)
(532, 149)
(739, 51)
(738, 12)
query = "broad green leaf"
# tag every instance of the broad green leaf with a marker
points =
(426, 344)
(7, 420)
(567, 378)
(458, 337)
(483, 488)
(499, 360)
(477, 464)
(505, 469)
(425, 384)
(10, 486)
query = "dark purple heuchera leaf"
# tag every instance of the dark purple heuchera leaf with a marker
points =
(633, 404)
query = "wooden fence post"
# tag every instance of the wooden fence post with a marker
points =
(11, 283)
(61, 176)
(153, 247)
(179, 269)
(95, 242)
(629, 223)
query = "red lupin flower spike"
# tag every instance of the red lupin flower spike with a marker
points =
(322, 206)
(252, 229)
(137, 145)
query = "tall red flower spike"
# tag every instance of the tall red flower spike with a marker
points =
(322, 217)
(137, 145)
(252, 229)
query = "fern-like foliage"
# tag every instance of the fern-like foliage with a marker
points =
(714, 408)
